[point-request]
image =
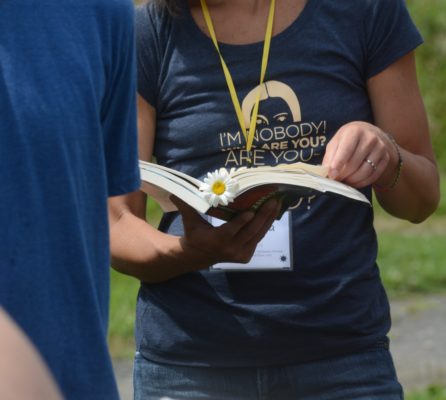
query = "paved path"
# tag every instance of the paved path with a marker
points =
(418, 345)
(123, 371)
(418, 341)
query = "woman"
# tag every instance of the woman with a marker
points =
(319, 330)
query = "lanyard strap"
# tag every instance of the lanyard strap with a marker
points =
(249, 136)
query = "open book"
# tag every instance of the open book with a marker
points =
(224, 193)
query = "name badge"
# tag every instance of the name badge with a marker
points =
(273, 252)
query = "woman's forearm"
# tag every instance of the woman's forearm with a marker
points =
(145, 253)
(416, 194)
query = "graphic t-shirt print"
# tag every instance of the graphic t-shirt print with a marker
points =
(281, 136)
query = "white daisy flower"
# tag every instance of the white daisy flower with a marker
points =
(219, 188)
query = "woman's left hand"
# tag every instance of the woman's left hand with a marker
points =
(358, 154)
(409, 190)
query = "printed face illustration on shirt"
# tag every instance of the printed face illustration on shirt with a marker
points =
(278, 105)
(279, 116)
(275, 111)
(281, 136)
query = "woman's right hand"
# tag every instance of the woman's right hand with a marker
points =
(234, 241)
(140, 250)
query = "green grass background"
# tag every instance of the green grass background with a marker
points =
(412, 257)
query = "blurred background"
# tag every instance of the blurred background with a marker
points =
(412, 257)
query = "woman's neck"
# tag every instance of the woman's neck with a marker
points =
(244, 21)
(250, 5)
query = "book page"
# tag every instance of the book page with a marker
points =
(165, 182)
(298, 179)
(160, 168)
(314, 169)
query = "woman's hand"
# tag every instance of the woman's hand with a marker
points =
(234, 241)
(361, 154)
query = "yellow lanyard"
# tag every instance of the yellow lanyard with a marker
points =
(249, 136)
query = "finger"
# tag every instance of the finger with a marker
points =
(190, 215)
(236, 224)
(358, 160)
(364, 172)
(369, 171)
(253, 232)
(347, 146)
(330, 152)
(370, 149)
(260, 234)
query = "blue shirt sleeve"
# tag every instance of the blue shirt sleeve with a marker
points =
(390, 34)
(118, 115)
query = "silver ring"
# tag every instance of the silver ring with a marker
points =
(371, 163)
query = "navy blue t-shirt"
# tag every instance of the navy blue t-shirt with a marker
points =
(67, 142)
(333, 301)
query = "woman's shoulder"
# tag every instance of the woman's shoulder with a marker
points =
(365, 15)
(152, 12)
(364, 7)
(150, 21)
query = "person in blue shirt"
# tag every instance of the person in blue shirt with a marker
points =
(339, 89)
(68, 142)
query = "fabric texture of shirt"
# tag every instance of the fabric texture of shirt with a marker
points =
(67, 142)
(333, 301)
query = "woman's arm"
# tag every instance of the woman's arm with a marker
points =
(398, 110)
(142, 251)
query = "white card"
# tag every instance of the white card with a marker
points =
(272, 253)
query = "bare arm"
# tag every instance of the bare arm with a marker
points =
(398, 109)
(142, 251)
(23, 373)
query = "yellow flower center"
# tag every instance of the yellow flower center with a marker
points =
(218, 187)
